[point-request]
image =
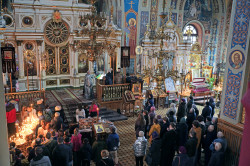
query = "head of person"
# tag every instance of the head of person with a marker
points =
(67, 133)
(48, 135)
(172, 105)
(200, 118)
(53, 133)
(86, 141)
(88, 72)
(191, 111)
(217, 146)
(141, 134)
(183, 100)
(158, 117)
(47, 106)
(57, 114)
(172, 126)
(196, 124)
(182, 150)
(60, 133)
(145, 112)
(211, 100)
(165, 119)
(76, 131)
(38, 151)
(215, 120)
(104, 154)
(210, 128)
(66, 139)
(152, 109)
(208, 118)
(155, 121)
(40, 136)
(207, 103)
(183, 120)
(38, 141)
(112, 129)
(220, 134)
(12, 145)
(60, 140)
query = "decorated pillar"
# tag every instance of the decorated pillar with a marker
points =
(20, 58)
(39, 55)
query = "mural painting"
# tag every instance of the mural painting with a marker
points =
(144, 22)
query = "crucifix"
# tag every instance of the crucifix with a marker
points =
(131, 3)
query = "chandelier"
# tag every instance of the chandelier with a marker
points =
(94, 27)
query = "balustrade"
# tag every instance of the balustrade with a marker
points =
(30, 96)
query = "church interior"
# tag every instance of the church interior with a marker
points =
(125, 82)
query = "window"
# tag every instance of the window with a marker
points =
(192, 31)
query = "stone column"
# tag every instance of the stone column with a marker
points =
(20, 58)
(38, 58)
(235, 79)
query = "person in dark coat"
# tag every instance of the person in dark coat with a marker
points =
(57, 122)
(39, 159)
(32, 154)
(168, 146)
(146, 118)
(61, 154)
(70, 145)
(139, 124)
(97, 147)
(181, 110)
(191, 147)
(155, 149)
(182, 158)
(50, 144)
(11, 118)
(217, 158)
(191, 104)
(105, 160)
(164, 126)
(208, 139)
(212, 105)
(85, 153)
(190, 118)
(182, 132)
(207, 110)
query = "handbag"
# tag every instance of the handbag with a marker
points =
(149, 158)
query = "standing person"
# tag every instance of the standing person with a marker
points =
(150, 101)
(139, 124)
(57, 122)
(168, 146)
(11, 118)
(190, 118)
(105, 161)
(208, 139)
(182, 158)
(181, 110)
(69, 144)
(80, 113)
(182, 132)
(140, 147)
(61, 153)
(50, 144)
(86, 108)
(217, 158)
(212, 105)
(207, 111)
(113, 144)
(164, 126)
(85, 153)
(47, 114)
(38, 142)
(76, 141)
(151, 115)
(39, 159)
(172, 109)
(42, 129)
(94, 110)
(155, 149)
(145, 115)
(88, 86)
(191, 104)
(155, 127)
(191, 147)
(97, 147)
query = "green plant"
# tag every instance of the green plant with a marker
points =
(211, 83)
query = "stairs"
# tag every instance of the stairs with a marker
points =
(111, 115)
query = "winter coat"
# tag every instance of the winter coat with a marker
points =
(212, 105)
(50, 144)
(181, 160)
(86, 152)
(113, 142)
(191, 146)
(61, 155)
(76, 142)
(97, 147)
(181, 111)
(105, 162)
(190, 118)
(207, 111)
(139, 127)
(190, 105)
(164, 128)
(198, 132)
(155, 127)
(171, 109)
(47, 115)
(44, 161)
(217, 159)
(32, 152)
(57, 123)
(155, 151)
(182, 133)
(140, 146)
(10, 113)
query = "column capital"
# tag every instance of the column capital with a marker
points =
(39, 42)
(19, 42)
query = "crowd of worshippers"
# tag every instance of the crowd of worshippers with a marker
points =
(57, 145)
(179, 138)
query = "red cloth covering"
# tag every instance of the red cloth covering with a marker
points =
(94, 108)
(11, 113)
(77, 142)
(245, 144)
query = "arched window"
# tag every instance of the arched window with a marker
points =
(190, 33)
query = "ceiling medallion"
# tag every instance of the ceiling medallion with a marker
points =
(56, 33)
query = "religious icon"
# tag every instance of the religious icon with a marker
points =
(138, 50)
(129, 95)
(132, 35)
(83, 64)
(236, 59)
(136, 88)
(7, 54)
(99, 128)
(27, 21)
(28, 46)
(57, 16)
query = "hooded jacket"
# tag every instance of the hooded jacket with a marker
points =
(41, 161)
(140, 146)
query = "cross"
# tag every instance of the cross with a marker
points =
(170, 12)
(147, 26)
(131, 3)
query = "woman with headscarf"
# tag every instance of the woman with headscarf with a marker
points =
(76, 141)
(182, 132)
(139, 124)
(181, 110)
